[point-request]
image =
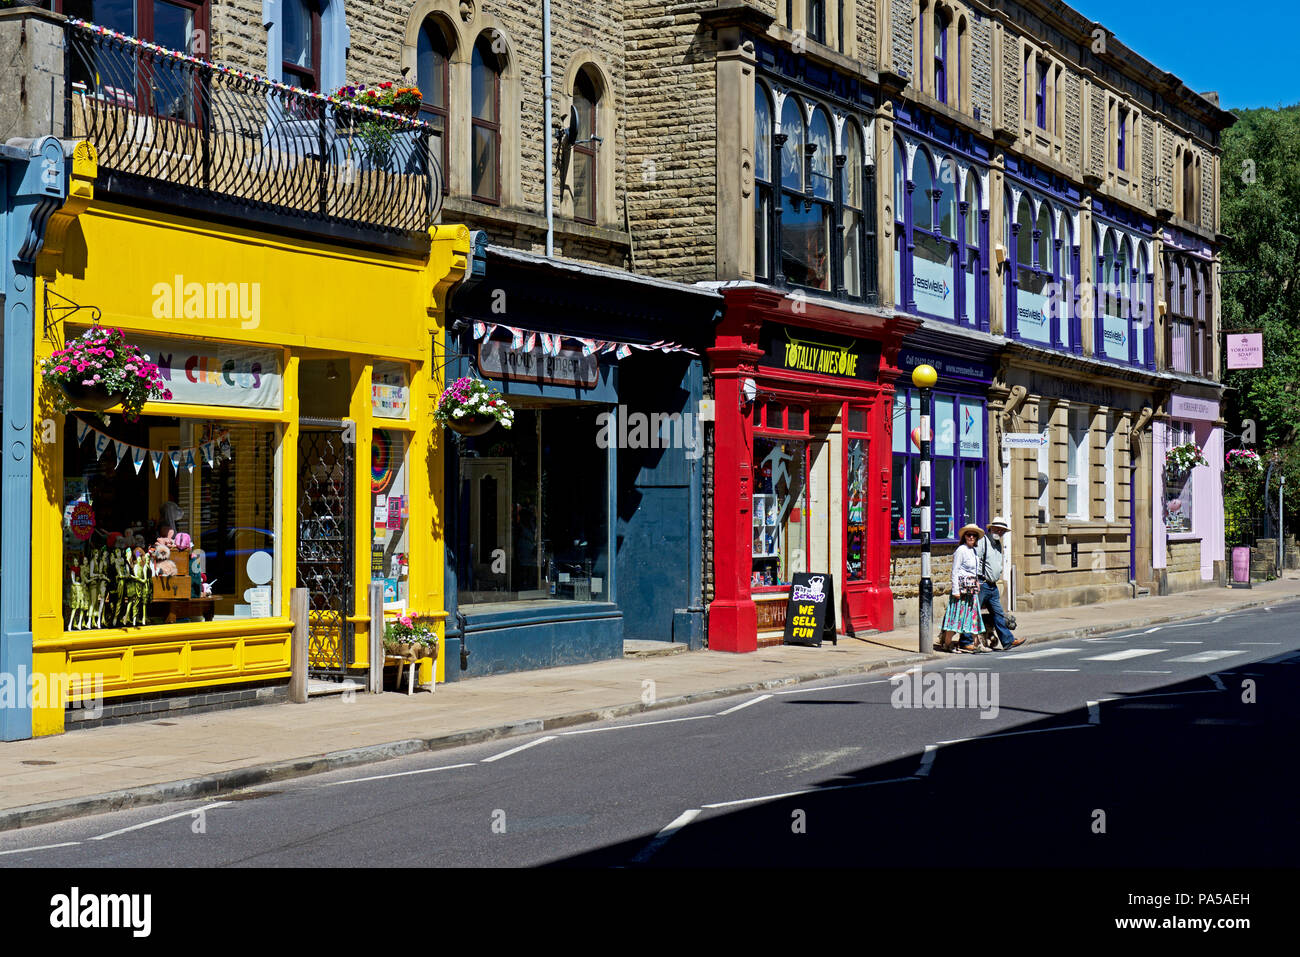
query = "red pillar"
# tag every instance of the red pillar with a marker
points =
(733, 618)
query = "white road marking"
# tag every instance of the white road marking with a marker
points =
(1218, 682)
(169, 817)
(1056, 669)
(1012, 734)
(1112, 638)
(927, 760)
(398, 774)
(1044, 653)
(1259, 642)
(662, 838)
(43, 847)
(522, 747)
(744, 704)
(1128, 672)
(1189, 641)
(641, 724)
(1203, 656)
(802, 791)
(1127, 653)
(856, 684)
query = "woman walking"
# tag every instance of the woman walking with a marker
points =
(963, 615)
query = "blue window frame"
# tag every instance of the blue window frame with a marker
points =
(958, 472)
(1122, 331)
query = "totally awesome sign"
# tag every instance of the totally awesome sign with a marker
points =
(822, 353)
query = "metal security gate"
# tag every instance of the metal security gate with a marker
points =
(326, 566)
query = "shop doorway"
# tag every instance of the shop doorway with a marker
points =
(326, 549)
(487, 486)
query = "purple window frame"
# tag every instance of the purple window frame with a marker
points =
(912, 459)
(1123, 130)
(941, 68)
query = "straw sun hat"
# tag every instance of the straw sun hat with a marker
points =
(979, 532)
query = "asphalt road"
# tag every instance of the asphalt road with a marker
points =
(1168, 747)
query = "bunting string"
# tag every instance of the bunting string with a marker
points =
(178, 459)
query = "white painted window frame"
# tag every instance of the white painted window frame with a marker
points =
(1077, 462)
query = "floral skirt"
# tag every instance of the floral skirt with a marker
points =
(962, 615)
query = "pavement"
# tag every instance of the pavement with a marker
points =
(101, 769)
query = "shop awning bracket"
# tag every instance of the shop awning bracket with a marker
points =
(58, 313)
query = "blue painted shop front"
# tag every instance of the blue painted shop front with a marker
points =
(580, 525)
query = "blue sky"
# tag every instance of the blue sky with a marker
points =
(1244, 49)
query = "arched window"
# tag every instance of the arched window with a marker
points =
(1116, 327)
(485, 104)
(1180, 323)
(432, 54)
(934, 231)
(1034, 271)
(807, 211)
(1140, 323)
(300, 44)
(762, 182)
(901, 261)
(972, 304)
(853, 209)
(821, 181)
(585, 103)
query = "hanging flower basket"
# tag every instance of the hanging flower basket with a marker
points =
(1181, 459)
(1244, 460)
(100, 369)
(472, 407)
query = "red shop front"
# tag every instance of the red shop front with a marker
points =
(803, 396)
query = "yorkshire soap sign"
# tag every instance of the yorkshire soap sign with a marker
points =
(821, 353)
(1245, 350)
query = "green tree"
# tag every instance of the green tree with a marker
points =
(1260, 207)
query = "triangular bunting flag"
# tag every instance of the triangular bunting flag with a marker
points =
(189, 460)
(608, 346)
(156, 457)
(122, 449)
(101, 443)
(138, 456)
(622, 352)
(83, 429)
(206, 448)
(480, 329)
(547, 344)
(175, 459)
(588, 346)
(530, 340)
(516, 337)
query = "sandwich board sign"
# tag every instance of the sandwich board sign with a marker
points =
(810, 614)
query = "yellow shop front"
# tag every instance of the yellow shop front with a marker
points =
(294, 452)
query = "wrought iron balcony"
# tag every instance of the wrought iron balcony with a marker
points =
(170, 127)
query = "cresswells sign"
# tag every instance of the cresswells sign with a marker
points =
(822, 353)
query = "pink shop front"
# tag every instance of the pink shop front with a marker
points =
(1188, 546)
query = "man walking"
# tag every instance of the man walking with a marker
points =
(988, 558)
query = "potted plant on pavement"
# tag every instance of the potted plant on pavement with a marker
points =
(405, 636)
(100, 369)
(472, 407)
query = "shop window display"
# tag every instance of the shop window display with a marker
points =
(780, 511)
(390, 507)
(857, 453)
(533, 523)
(957, 470)
(168, 520)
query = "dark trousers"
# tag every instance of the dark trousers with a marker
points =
(989, 596)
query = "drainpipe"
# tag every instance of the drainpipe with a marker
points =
(546, 123)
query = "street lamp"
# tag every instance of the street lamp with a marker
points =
(924, 377)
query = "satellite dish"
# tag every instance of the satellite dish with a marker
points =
(571, 134)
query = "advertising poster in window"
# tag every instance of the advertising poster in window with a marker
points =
(1178, 504)
(971, 424)
(388, 390)
(932, 281)
(1114, 338)
(1033, 311)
